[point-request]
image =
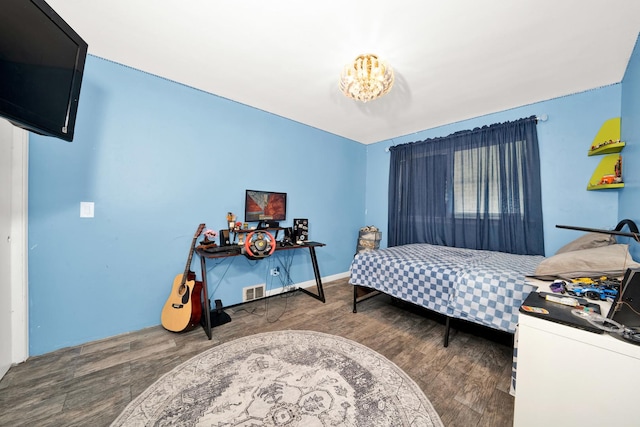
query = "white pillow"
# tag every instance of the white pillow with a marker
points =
(588, 241)
(611, 260)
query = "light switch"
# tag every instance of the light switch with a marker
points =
(86, 209)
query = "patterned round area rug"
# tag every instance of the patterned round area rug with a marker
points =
(284, 378)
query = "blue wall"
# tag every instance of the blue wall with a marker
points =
(564, 140)
(630, 195)
(158, 158)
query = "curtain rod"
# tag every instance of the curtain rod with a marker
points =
(540, 118)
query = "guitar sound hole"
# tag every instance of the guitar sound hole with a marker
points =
(185, 297)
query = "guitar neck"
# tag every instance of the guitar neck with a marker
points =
(193, 245)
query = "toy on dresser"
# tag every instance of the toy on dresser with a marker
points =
(601, 289)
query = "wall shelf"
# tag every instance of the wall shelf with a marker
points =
(614, 147)
(605, 186)
(608, 173)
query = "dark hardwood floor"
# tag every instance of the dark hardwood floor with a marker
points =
(89, 385)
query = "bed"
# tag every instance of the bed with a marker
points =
(484, 287)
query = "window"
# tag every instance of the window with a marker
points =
(477, 189)
(476, 182)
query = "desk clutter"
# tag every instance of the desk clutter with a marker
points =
(577, 303)
(215, 249)
(255, 242)
(598, 289)
(538, 305)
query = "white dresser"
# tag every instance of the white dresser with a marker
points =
(570, 377)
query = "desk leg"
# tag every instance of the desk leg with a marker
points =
(316, 272)
(206, 304)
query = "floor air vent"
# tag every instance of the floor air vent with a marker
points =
(253, 292)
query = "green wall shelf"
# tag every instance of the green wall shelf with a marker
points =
(614, 147)
(607, 143)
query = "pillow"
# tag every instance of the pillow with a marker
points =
(588, 241)
(611, 260)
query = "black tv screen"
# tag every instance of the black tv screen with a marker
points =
(41, 65)
(265, 206)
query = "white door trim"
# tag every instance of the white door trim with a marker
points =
(19, 241)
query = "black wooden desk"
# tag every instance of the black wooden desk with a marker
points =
(204, 255)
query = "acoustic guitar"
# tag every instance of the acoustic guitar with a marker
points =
(183, 308)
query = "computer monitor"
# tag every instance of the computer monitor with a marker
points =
(626, 307)
(267, 207)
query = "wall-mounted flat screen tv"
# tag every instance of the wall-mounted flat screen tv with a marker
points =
(41, 66)
(265, 206)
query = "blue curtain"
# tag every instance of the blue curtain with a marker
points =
(477, 189)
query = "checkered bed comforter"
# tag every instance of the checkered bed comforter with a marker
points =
(484, 287)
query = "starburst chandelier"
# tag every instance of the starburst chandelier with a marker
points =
(366, 79)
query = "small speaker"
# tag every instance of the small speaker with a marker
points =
(300, 230)
(224, 237)
(626, 308)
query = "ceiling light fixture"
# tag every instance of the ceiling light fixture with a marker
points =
(366, 79)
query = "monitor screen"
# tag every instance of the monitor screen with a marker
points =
(265, 206)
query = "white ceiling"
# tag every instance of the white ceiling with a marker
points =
(453, 60)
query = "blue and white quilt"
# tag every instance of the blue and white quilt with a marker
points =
(484, 287)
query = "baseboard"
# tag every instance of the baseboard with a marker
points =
(312, 282)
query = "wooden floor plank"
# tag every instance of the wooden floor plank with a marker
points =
(91, 384)
(498, 410)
